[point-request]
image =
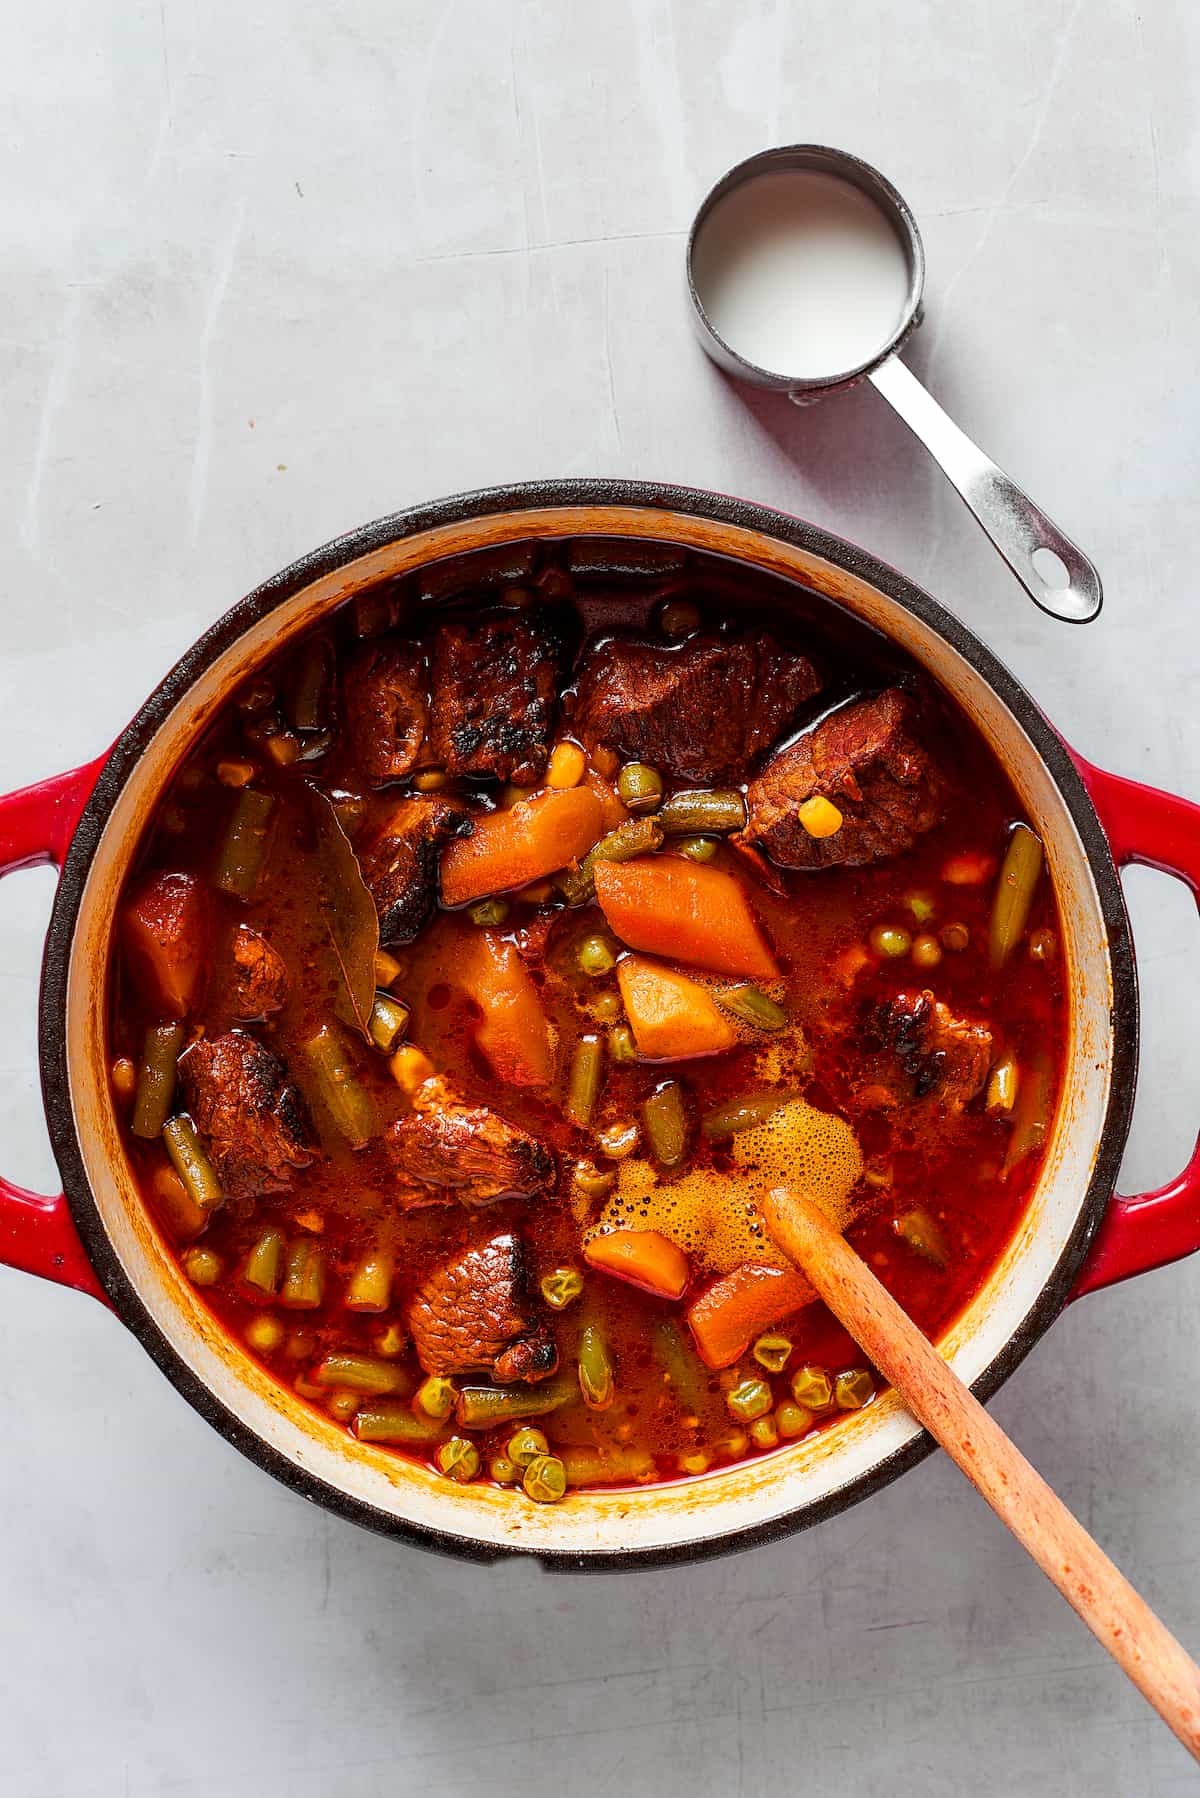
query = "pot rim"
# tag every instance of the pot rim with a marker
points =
(538, 496)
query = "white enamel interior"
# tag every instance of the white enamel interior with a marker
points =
(799, 1476)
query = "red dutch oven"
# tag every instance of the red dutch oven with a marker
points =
(1075, 1235)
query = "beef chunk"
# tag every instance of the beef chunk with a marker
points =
(250, 1117)
(494, 695)
(700, 711)
(942, 1052)
(259, 978)
(464, 1152)
(386, 708)
(475, 1314)
(400, 866)
(867, 762)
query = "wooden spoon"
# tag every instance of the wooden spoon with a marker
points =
(1121, 1622)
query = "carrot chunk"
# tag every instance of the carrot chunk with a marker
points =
(645, 1258)
(164, 932)
(672, 1017)
(686, 910)
(736, 1308)
(514, 1034)
(509, 849)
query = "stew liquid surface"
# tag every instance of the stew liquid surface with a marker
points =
(504, 938)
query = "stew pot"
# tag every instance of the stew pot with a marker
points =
(1075, 1235)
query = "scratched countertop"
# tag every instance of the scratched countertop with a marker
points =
(271, 271)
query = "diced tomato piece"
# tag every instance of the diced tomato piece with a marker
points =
(165, 932)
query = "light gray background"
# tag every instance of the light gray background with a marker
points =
(270, 270)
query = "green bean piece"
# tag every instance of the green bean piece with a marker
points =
(638, 836)
(156, 1080)
(190, 1161)
(308, 705)
(545, 1480)
(812, 1388)
(853, 1388)
(697, 849)
(924, 1236)
(388, 1022)
(615, 1465)
(244, 850)
(752, 1006)
(391, 1420)
(1032, 1114)
(203, 1267)
(707, 811)
(484, 1407)
(595, 1369)
(622, 1047)
(436, 1396)
(458, 1459)
(366, 1374)
(504, 1471)
(749, 1399)
(346, 1100)
(1018, 878)
(370, 1287)
(639, 787)
(583, 1082)
(303, 1275)
(1003, 1085)
(688, 1378)
(772, 1351)
(488, 912)
(561, 1287)
(264, 1263)
(745, 1112)
(525, 1446)
(665, 1116)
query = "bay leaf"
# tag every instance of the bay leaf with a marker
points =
(351, 921)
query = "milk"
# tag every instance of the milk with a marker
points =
(801, 274)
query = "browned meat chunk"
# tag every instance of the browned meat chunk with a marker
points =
(250, 1117)
(494, 696)
(475, 1314)
(401, 864)
(942, 1052)
(260, 978)
(465, 1152)
(866, 761)
(701, 711)
(386, 708)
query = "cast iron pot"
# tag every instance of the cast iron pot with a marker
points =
(1075, 1235)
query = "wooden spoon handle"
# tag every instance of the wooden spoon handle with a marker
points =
(1120, 1620)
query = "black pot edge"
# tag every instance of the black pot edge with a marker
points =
(538, 495)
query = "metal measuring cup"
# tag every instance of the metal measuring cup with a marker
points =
(1019, 529)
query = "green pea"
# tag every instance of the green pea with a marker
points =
(504, 1471)
(545, 1480)
(458, 1459)
(605, 1007)
(525, 1446)
(890, 940)
(595, 957)
(488, 911)
(561, 1287)
(792, 1420)
(203, 1267)
(697, 849)
(591, 1181)
(436, 1396)
(764, 1432)
(750, 1399)
(679, 618)
(812, 1388)
(853, 1388)
(640, 787)
(771, 1351)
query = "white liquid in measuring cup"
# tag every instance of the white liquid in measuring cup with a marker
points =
(801, 274)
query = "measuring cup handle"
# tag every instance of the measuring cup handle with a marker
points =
(1015, 525)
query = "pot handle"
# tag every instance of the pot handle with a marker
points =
(38, 1234)
(1149, 1229)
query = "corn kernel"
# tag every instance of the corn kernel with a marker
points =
(123, 1075)
(430, 780)
(566, 766)
(820, 817)
(411, 1067)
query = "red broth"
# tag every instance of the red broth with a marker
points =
(941, 1187)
